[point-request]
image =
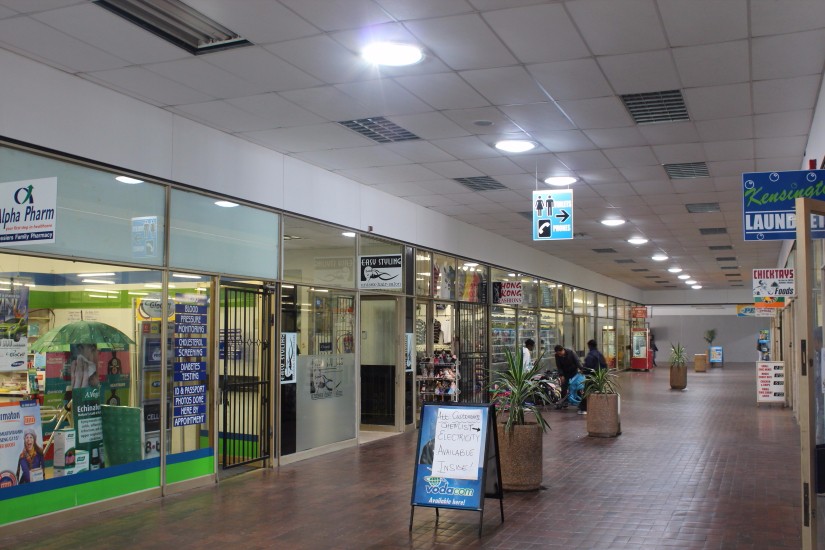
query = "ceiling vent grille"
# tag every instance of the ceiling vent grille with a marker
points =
(733, 274)
(626, 261)
(729, 267)
(650, 107)
(379, 129)
(687, 170)
(713, 231)
(651, 276)
(661, 282)
(604, 250)
(721, 247)
(726, 259)
(639, 269)
(703, 207)
(480, 183)
(175, 22)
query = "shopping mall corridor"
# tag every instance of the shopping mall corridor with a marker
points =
(702, 468)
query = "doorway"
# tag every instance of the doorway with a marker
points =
(381, 364)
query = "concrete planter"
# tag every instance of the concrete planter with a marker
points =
(520, 455)
(603, 415)
(678, 377)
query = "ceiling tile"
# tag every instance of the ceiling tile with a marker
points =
(443, 91)
(466, 118)
(223, 116)
(505, 85)
(466, 147)
(575, 79)
(787, 94)
(641, 72)
(545, 164)
(718, 101)
(259, 21)
(778, 56)
(730, 167)
(424, 9)
(631, 156)
(149, 86)
(713, 64)
(729, 150)
(537, 117)
(310, 138)
(608, 30)
(323, 58)
(603, 112)
(261, 67)
(355, 157)
(657, 187)
(596, 176)
(584, 160)
(384, 96)
(721, 129)
(679, 153)
(452, 188)
(564, 140)
(390, 174)
(202, 76)
(453, 169)
(330, 103)
(32, 6)
(497, 166)
(419, 151)
(331, 15)
(669, 132)
(616, 137)
(478, 48)
(275, 110)
(786, 17)
(644, 173)
(704, 21)
(793, 147)
(778, 164)
(406, 189)
(429, 125)
(794, 123)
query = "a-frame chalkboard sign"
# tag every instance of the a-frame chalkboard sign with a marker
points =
(456, 460)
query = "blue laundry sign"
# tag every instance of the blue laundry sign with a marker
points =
(553, 215)
(769, 210)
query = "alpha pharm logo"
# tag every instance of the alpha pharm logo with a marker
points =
(24, 195)
(441, 486)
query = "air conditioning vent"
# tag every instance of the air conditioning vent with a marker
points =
(625, 261)
(661, 282)
(687, 170)
(651, 107)
(713, 231)
(379, 129)
(480, 183)
(703, 207)
(733, 274)
(729, 267)
(604, 250)
(720, 247)
(639, 269)
(726, 259)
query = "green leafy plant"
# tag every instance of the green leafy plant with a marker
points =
(678, 355)
(710, 336)
(514, 392)
(601, 381)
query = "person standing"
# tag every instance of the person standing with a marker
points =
(653, 347)
(568, 365)
(527, 354)
(594, 361)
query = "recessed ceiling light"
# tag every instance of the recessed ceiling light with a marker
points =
(392, 54)
(659, 257)
(696, 287)
(613, 222)
(675, 269)
(348, 234)
(560, 180)
(690, 282)
(226, 204)
(637, 240)
(186, 276)
(684, 276)
(98, 281)
(515, 145)
(95, 274)
(127, 179)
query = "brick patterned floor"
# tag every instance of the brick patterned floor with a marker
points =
(701, 468)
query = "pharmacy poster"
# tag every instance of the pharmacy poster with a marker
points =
(452, 465)
(14, 328)
(88, 421)
(380, 272)
(145, 237)
(21, 444)
(28, 211)
(772, 286)
(770, 382)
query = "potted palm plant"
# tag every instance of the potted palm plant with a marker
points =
(518, 398)
(678, 366)
(601, 389)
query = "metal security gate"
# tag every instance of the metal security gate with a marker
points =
(245, 374)
(474, 379)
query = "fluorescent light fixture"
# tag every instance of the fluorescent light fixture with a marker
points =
(200, 290)
(96, 281)
(101, 291)
(696, 287)
(423, 274)
(131, 293)
(185, 276)
(684, 276)
(515, 145)
(95, 274)
(287, 286)
(613, 222)
(226, 204)
(127, 179)
(637, 240)
(30, 285)
(470, 264)
(511, 274)
(348, 233)
(319, 290)
(153, 285)
(560, 181)
(101, 296)
(675, 269)
(691, 282)
(392, 54)
(659, 257)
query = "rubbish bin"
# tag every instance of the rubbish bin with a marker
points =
(700, 362)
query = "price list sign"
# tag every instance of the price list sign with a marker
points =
(770, 382)
(191, 348)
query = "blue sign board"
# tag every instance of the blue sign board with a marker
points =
(553, 215)
(191, 309)
(769, 210)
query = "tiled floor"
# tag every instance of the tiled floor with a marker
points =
(702, 468)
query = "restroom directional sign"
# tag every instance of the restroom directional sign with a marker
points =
(553, 215)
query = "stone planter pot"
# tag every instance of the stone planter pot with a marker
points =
(520, 456)
(603, 415)
(678, 377)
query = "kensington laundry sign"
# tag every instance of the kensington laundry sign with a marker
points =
(769, 203)
(772, 286)
(28, 211)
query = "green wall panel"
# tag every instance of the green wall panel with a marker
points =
(190, 470)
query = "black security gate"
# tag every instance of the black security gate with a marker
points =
(245, 359)
(474, 376)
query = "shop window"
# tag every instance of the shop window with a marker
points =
(444, 275)
(318, 254)
(380, 265)
(471, 282)
(423, 273)
(224, 239)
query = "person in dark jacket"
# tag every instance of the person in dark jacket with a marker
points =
(568, 365)
(592, 362)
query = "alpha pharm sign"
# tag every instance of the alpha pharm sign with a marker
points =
(28, 211)
(772, 286)
(768, 208)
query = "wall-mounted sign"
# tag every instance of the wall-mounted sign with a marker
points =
(745, 310)
(638, 312)
(28, 211)
(508, 292)
(380, 272)
(553, 215)
(289, 357)
(772, 286)
(769, 210)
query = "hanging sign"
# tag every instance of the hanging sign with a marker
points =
(553, 215)
(770, 382)
(638, 312)
(508, 292)
(28, 211)
(769, 210)
(772, 286)
(380, 272)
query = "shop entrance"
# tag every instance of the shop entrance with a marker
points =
(245, 359)
(382, 366)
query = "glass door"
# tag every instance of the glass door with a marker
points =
(381, 365)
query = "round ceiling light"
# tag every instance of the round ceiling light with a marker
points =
(226, 204)
(659, 257)
(560, 180)
(691, 282)
(637, 240)
(675, 269)
(696, 287)
(515, 145)
(612, 222)
(392, 54)
(684, 276)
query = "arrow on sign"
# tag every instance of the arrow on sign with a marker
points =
(564, 216)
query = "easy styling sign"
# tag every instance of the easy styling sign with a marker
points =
(768, 211)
